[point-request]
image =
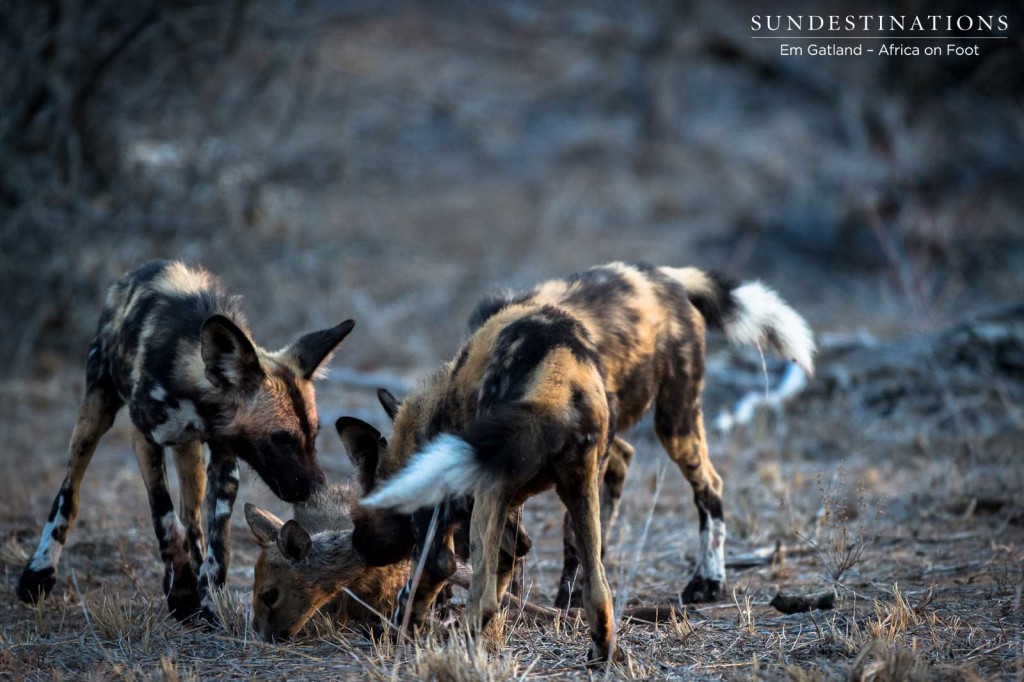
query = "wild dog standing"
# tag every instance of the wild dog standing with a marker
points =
(536, 396)
(175, 347)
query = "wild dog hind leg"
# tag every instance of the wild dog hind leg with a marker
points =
(581, 498)
(95, 416)
(486, 527)
(570, 586)
(680, 429)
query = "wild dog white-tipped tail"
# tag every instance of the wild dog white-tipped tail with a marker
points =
(446, 467)
(764, 320)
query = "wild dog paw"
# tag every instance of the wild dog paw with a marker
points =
(701, 589)
(599, 655)
(36, 585)
(208, 616)
(184, 604)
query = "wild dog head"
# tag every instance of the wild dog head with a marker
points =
(267, 407)
(300, 569)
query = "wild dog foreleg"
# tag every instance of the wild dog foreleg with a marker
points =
(222, 478)
(95, 417)
(180, 585)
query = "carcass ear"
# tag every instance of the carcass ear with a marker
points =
(265, 526)
(228, 355)
(313, 352)
(293, 541)
(389, 402)
(364, 446)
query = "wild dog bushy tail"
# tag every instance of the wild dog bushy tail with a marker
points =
(749, 313)
(506, 444)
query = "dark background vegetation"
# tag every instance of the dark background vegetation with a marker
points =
(393, 161)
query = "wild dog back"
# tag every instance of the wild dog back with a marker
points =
(475, 425)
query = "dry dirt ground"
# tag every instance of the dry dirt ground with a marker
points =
(931, 519)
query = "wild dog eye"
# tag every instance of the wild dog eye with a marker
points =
(269, 597)
(282, 440)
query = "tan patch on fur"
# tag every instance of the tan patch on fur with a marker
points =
(178, 279)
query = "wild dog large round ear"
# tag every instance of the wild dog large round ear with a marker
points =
(265, 526)
(364, 446)
(313, 352)
(389, 402)
(293, 541)
(229, 357)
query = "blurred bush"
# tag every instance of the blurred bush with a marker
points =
(393, 160)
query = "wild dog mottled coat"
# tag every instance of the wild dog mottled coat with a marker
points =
(174, 347)
(537, 394)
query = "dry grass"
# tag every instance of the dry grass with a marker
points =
(936, 593)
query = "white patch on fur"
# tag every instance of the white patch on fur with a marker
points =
(223, 509)
(172, 526)
(209, 570)
(183, 425)
(446, 467)
(48, 553)
(234, 474)
(158, 393)
(760, 311)
(711, 558)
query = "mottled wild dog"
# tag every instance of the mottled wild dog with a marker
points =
(536, 395)
(174, 347)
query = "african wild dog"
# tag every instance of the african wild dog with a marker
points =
(537, 394)
(175, 347)
(311, 560)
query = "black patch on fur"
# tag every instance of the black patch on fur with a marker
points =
(513, 441)
(299, 407)
(601, 290)
(491, 305)
(635, 391)
(708, 501)
(33, 585)
(461, 360)
(380, 537)
(717, 307)
(522, 346)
